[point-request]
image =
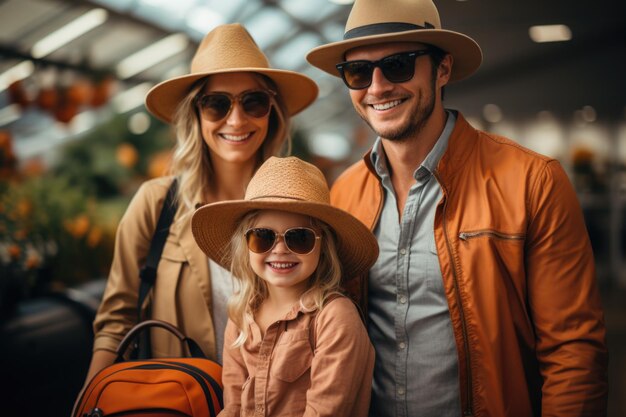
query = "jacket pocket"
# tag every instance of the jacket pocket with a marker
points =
(292, 356)
(491, 234)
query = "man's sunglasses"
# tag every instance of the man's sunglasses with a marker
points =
(216, 106)
(299, 240)
(396, 68)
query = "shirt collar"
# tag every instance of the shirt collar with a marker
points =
(379, 159)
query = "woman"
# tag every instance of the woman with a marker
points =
(230, 113)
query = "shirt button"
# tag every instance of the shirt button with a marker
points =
(401, 345)
(403, 251)
(400, 391)
(402, 299)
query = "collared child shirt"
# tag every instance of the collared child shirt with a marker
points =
(308, 364)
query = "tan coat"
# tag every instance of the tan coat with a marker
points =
(182, 293)
(518, 273)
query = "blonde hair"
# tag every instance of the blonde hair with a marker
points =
(251, 290)
(191, 163)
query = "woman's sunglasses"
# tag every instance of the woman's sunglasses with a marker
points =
(216, 106)
(299, 240)
(396, 68)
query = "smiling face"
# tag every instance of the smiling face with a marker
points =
(280, 268)
(237, 137)
(398, 111)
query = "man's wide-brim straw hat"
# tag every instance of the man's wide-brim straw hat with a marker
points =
(226, 49)
(373, 22)
(292, 185)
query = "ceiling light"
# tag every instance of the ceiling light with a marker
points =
(153, 54)
(131, 98)
(9, 114)
(69, 32)
(550, 33)
(492, 113)
(22, 70)
(330, 145)
(203, 19)
(139, 123)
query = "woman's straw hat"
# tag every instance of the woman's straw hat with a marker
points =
(376, 21)
(230, 48)
(286, 184)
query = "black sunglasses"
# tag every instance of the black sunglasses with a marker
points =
(216, 106)
(299, 240)
(396, 68)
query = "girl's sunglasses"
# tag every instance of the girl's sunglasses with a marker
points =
(216, 106)
(396, 68)
(299, 240)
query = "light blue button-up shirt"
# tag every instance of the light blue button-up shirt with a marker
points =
(416, 372)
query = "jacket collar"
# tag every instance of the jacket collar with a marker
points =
(460, 145)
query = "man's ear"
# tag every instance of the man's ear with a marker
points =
(445, 70)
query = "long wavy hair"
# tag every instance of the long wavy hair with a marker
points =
(191, 162)
(251, 290)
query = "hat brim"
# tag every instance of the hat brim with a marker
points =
(297, 90)
(465, 51)
(214, 224)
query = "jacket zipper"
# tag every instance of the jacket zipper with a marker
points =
(468, 411)
(478, 233)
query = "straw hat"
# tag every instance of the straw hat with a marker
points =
(374, 21)
(230, 48)
(287, 184)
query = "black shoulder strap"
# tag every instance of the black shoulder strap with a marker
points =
(148, 271)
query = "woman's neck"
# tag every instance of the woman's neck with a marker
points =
(229, 180)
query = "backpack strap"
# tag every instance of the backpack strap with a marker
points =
(149, 271)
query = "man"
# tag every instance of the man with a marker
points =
(483, 301)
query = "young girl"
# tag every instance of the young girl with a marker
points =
(294, 346)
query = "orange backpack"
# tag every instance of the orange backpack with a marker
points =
(154, 387)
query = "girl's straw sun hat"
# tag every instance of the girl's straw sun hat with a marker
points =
(286, 184)
(230, 48)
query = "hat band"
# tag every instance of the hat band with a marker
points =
(282, 197)
(382, 28)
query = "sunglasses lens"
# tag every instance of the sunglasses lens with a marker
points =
(358, 74)
(256, 103)
(215, 107)
(260, 240)
(398, 68)
(300, 240)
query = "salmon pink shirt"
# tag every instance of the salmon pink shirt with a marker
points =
(308, 364)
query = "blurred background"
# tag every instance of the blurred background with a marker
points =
(76, 141)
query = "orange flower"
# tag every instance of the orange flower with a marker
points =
(14, 251)
(20, 234)
(78, 227)
(127, 155)
(24, 208)
(33, 261)
(94, 237)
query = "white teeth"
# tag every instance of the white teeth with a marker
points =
(387, 105)
(235, 138)
(282, 265)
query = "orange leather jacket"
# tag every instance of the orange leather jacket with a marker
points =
(518, 273)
